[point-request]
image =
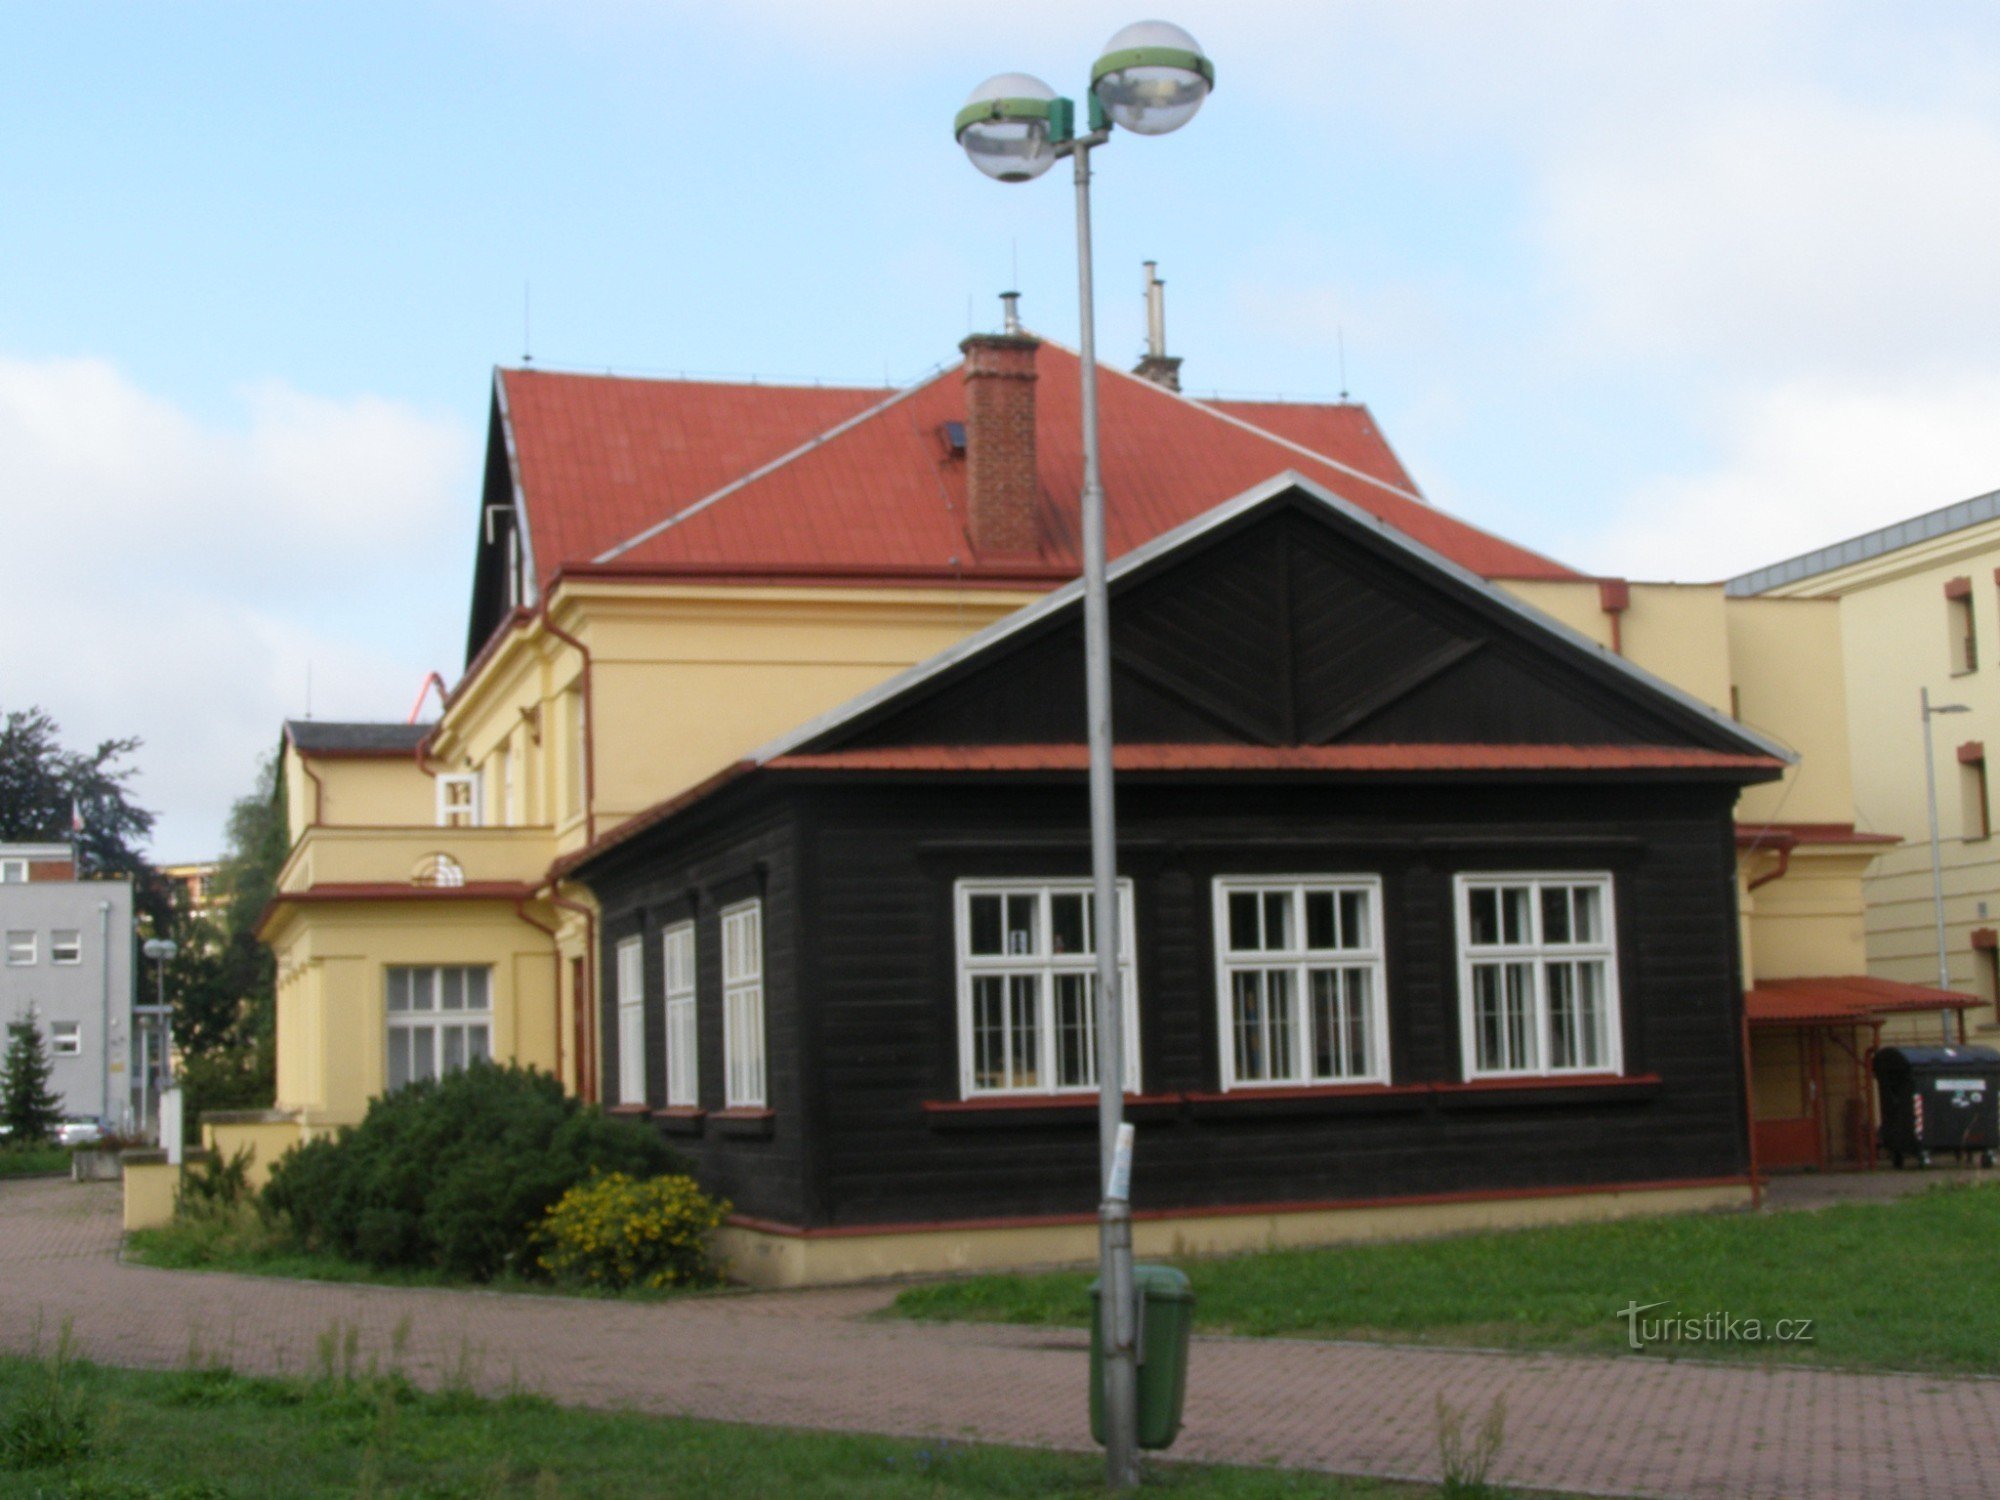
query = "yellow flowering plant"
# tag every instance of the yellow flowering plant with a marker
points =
(614, 1231)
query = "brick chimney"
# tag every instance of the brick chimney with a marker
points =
(1002, 492)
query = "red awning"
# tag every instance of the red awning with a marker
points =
(1838, 999)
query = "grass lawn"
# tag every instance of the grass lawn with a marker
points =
(93, 1433)
(33, 1161)
(1893, 1285)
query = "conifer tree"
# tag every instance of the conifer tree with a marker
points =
(28, 1106)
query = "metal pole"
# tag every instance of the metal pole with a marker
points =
(1937, 865)
(1121, 1391)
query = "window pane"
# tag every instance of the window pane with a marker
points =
(1355, 931)
(451, 984)
(1589, 906)
(1246, 1007)
(1069, 922)
(1356, 993)
(423, 984)
(399, 1057)
(1278, 921)
(1555, 914)
(985, 914)
(477, 1044)
(1244, 929)
(454, 1048)
(1514, 914)
(1076, 1031)
(1503, 1016)
(1023, 918)
(989, 1032)
(1339, 1022)
(1322, 928)
(399, 989)
(423, 1052)
(1483, 907)
(476, 996)
(1024, 1003)
(1278, 988)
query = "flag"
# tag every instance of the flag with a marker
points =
(75, 816)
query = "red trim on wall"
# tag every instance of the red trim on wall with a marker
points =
(1985, 938)
(1080, 1102)
(1972, 752)
(1231, 1210)
(1960, 588)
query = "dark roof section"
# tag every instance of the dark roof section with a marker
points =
(326, 737)
(1869, 545)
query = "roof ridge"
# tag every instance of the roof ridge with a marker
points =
(744, 481)
(745, 382)
(1248, 426)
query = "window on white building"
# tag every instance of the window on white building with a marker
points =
(458, 800)
(66, 946)
(631, 1022)
(66, 1039)
(677, 964)
(13, 872)
(21, 948)
(1538, 975)
(1027, 987)
(1300, 984)
(743, 1005)
(440, 1020)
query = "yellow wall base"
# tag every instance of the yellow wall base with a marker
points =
(152, 1187)
(266, 1134)
(766, 1258)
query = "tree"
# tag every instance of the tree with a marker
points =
(43, 785)
(28, 1106)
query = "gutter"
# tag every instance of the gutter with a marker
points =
(104, 1035)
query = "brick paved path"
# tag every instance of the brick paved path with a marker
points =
(1601, 1426)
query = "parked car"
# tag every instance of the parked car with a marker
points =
(79, 1130)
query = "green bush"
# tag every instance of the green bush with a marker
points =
(456, 1173)
(615, 1232)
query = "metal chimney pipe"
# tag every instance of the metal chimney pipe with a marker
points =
(1156, 312)
(1010, 317)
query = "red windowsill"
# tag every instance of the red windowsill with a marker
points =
(632, 1111)
(1545, 1081)
(1303, 1092)
(680, 1112)
(745, 1114)
(1038, 1101)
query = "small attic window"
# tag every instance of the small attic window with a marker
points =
(953, 434)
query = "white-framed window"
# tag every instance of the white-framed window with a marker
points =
(13, 872)
(66, 1039)
(1027, 987)
(631, 1022)
(1537, 975)
(743, 1005)
(440, 1019)
(21, 948)
(677, 965)
(458, 800)
(66, 946)
(1301, 991)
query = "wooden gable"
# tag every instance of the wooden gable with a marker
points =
(1293, 623)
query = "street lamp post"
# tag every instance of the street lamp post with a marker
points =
(1931, 710)
(161, 951)
(1151, 79)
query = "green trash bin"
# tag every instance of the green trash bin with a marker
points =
(1166, 1317)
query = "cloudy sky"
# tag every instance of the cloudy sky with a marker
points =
(1665, 290)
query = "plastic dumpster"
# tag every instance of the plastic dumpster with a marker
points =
(1939, 1099)
(1166, 1318)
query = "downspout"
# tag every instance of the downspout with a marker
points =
(104, 1034)
(589, 724)
(555, 961)
(1750, 1117)
(586, 1088)
(1614, 597)
(1784, 845)
(319, 789)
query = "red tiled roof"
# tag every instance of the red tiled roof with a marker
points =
(1842, 998)
(1344, 431)
(602, 460)
(1280, 758)
(601, 457)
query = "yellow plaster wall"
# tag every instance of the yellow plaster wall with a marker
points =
(332, 991)
(1786, 662)
(1812, 919)
(356, 791)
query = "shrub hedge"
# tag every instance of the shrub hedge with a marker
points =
(458, 1172)
(615, 1232)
